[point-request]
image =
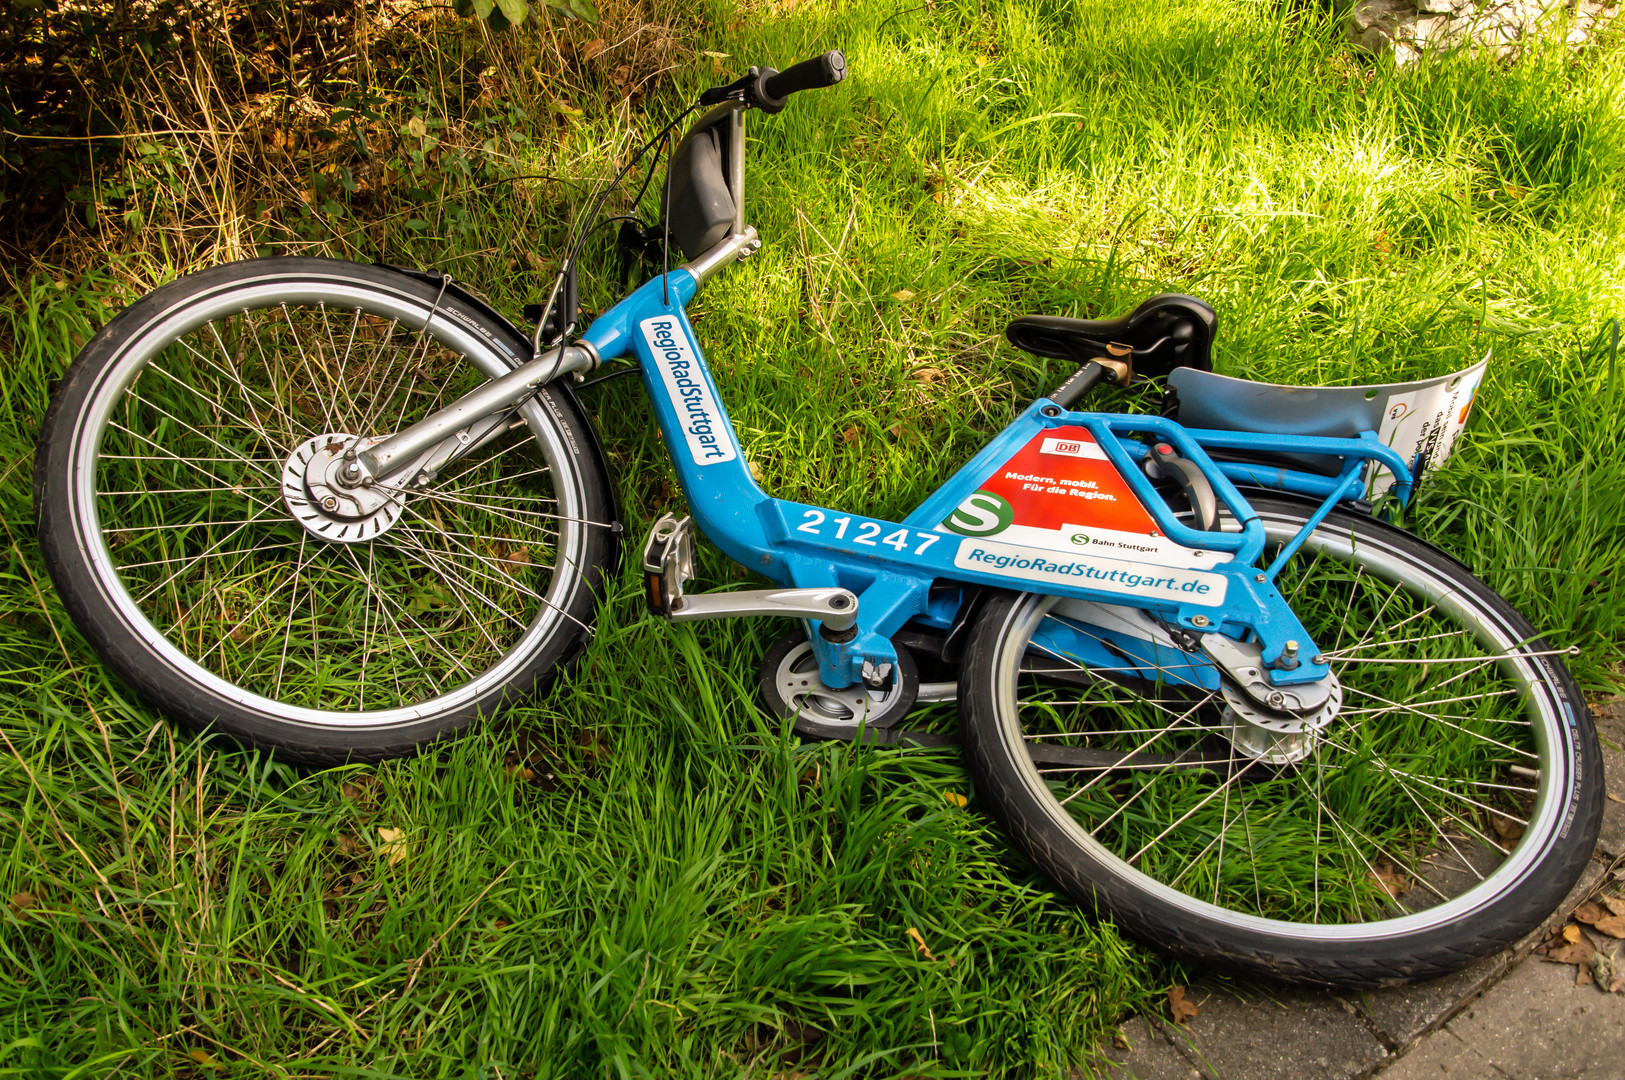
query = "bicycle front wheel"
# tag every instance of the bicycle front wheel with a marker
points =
(183, 514)
(1441, 814)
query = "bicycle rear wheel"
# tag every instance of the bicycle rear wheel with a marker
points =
(1443, 813)
(181, 521)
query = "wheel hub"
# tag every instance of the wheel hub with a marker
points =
(1277, 738)
(328, 508)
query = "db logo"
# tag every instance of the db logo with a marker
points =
(1068, 448)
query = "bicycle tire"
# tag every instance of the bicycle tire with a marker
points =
(165, 493)
(1394, 907)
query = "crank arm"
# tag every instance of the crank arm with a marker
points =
(835, 608)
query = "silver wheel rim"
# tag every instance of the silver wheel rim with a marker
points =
(336, 299)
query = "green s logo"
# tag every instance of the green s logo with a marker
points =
(981, 514)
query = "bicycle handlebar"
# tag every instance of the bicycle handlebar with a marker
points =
(775, 87)
(769, 90)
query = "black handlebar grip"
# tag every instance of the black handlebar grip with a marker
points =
(826, 70)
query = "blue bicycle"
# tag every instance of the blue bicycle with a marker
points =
(342, 510)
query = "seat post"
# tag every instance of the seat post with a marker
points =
(1083, 380)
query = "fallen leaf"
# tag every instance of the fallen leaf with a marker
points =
(1578, 953)
(851, 435)
(1615, 904)
(1515, 192)
(1181, 1008)
(919, 943)
(1571, 933)
(1582, 975)
(394, 845)
(904, 295)
(22, 902)
(1613, 926)
(1602, 971)
(203, 1058)
(416, 128)
(1589, 912)
(927, 374)
(593, 48)
(956, 798)
(349, 845)
(1506, 829)
(1389, 879)
(1614, 797)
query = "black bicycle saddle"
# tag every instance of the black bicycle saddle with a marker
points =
(1165, 332)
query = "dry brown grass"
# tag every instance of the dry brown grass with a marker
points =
(365, 130)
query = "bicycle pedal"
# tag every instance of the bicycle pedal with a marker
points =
(668, 563)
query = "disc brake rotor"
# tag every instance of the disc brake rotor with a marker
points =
(327, 508)
(1277, 738)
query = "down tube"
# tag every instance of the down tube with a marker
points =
(715, 477)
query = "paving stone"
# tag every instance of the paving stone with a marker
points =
(1442, 1056)
(1536, 1024)
(1611, 726)
(1405, 1013)
(1255, 1032)
(1149, 1056)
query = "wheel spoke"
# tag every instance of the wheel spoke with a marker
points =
(1333, 831)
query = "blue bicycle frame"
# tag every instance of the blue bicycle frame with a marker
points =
(892, 566)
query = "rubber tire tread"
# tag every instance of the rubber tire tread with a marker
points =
(177, 698)
(1241, 951)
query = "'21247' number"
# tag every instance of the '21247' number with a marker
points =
(867, 533)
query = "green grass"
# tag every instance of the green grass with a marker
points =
(679, 887)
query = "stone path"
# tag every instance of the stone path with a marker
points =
(1511, 1017)
(1409, 30)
